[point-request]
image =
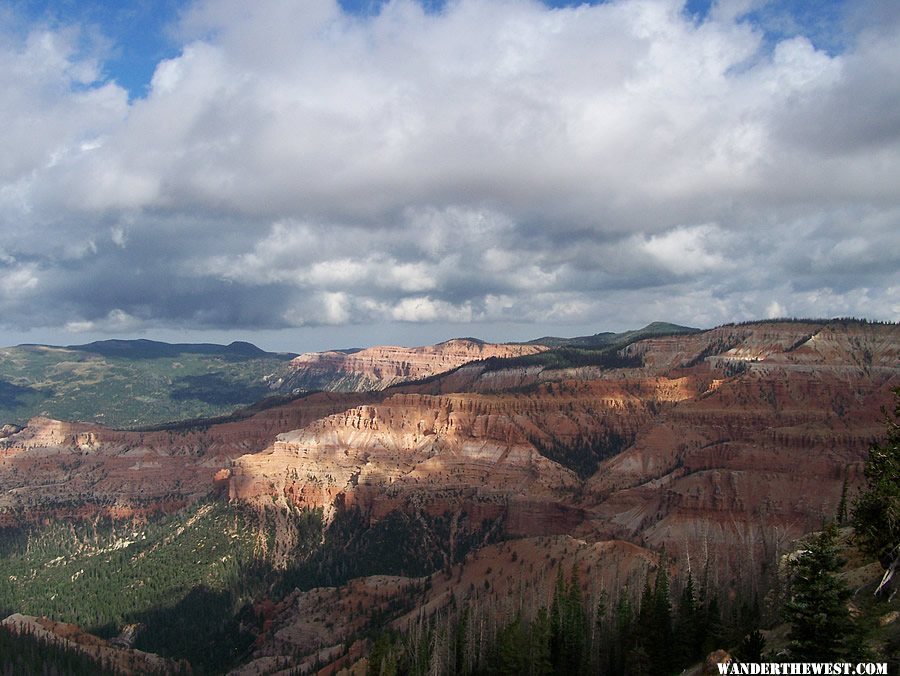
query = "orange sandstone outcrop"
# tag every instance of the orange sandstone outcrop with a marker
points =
(377, 368)
(450, 450)
(736, 436)
(740, 434)
(58, 468)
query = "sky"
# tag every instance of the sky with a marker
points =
(322, 174)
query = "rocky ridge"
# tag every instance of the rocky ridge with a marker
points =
(722, 446)
(59, 468)
(739, 434)
(709, 423)
(376, 368)
(117, 655)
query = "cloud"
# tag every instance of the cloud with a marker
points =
(117, 321)
(496, 161)
(19, 281)
(775, 310)
(423, 308)
(686, 251)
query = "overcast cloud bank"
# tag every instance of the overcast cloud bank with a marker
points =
(497, 161)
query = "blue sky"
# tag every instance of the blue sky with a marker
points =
(133, 36)
(307, 176)
(136, 36)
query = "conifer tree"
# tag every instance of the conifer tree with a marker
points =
(821, 626)
(568, 626)
(660, 648)
(383, 657)
(602, 635)
(653, 632)
(623, 638)
(556, 620)
(876, 513)
(712, 630)
(541, 664)
(576, 629)
(842, 505)
(687, 638)
(460, 647)
(510, 656)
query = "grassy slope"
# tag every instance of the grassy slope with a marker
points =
(131, 387)
(104, 574)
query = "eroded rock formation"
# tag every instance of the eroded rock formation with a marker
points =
(376, 368)
(741, 434)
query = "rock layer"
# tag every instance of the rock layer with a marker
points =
(53, 468)
(740, 434)
(377, 368)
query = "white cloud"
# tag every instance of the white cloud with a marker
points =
(117, 235)
(336, 311)
(425, 309)
(496, 161)
(775, 310)
(20, 281)
(117, 321)
(687, 250)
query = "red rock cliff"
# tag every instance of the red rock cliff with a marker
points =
(376, 368)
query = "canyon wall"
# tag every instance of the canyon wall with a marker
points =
(741, 434)
(376, 368)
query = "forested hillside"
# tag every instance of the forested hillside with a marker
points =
(133, 383)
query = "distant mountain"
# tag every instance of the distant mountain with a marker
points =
(152, 349)
(609, 338)
(376, 368)
(143, 383)
(134, 383)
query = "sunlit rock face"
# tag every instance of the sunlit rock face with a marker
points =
(59, 468)
(741, 435)
(376, 368)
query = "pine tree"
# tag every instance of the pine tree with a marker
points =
(842, 505)
(511, 653)
(712, 631)
(576, 632)
(540, 662)
(557, 620)
(687, 625)
(623, 638)
(568, 626)
(460, 648)
(653, 632)
(660, 649)
(821, 626)
(602, 635)
(876, 513)
(383, 657)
